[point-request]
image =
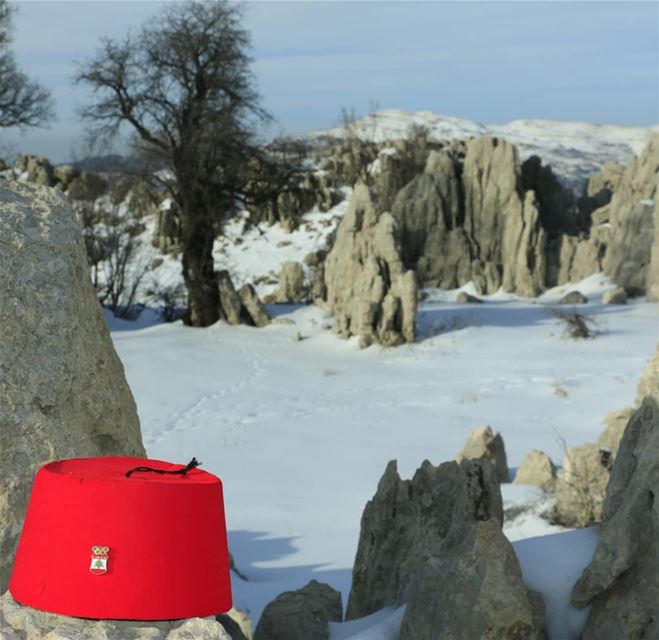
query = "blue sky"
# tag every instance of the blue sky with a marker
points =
(487, 61)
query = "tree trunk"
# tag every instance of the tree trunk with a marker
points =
(198, 268)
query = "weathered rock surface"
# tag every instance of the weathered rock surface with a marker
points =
(301, 615)
(366, 286)
(537, 469)
(240, 307)
(473, 590)
(292, 287)
(483, 444)
(632, 220)
(574, 297)
(615, 296)
(63, 392)
(254, 312)
(23, 623)
(622, 582)
(35, 169)
(435, 543)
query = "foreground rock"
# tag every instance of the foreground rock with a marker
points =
(483, 444)
(63, 392)
(23, 623)
(537, 469)
(435, 543)
(301, 615)
(367, 288)
(622, 582)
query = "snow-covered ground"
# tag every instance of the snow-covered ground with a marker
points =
(301, 431)
(573, 149)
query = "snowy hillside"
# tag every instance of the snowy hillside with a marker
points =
(301, 430)
(575, 150)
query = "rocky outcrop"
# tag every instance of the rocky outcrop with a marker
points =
(435, 543)
(537, 469)
(474, 589)
(621, 584)
(167, 234)
(301, 615)
(483, 444)
(292, 288)
(23, 623)
(467, 217)
(632, 220)
(63, 392)
(35, 169)
(367, 289)
(240, 307)
(406, 522)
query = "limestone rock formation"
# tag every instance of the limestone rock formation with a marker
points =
(406, 522)
(574, 297)
(632, 221)
(301, 615)
(63, 392)
(615, 296)
(23, 623)
(435, 543)
(537, 469)
(254, 312)
(474, 589)
(366, 286)
(292, 287)
(467, 217)
(35, 169)
(622, 581)
(240, 307)
(483, 444)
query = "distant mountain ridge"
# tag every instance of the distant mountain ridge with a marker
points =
(574, 150)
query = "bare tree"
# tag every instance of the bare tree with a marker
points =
(22, 103)
(183, 85)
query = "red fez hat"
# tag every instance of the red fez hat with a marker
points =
(124, 538)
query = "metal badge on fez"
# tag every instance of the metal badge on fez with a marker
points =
(99, 563)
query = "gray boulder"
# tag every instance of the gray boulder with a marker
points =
(292, 288)
(615, 296)
(63, 392)
(36, 169)
(574, 297)
(253, 312)
(474, 589)
(537, 469)
(406, 523)
(230, 303)
(366, 287)
(483, 444)
(23, 623)
(301, 615)
(621, 584)
(435, 543)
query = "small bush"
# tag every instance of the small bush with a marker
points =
(576, 325)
